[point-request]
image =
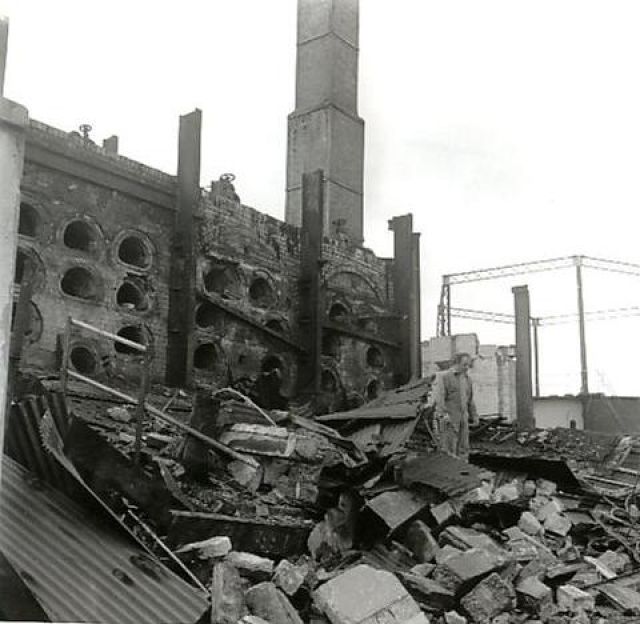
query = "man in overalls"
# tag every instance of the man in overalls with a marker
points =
(455, 409)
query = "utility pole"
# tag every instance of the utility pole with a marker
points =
(584, 376)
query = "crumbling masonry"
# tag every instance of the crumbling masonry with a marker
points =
(219, 290)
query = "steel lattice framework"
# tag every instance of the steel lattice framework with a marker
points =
(446, 312)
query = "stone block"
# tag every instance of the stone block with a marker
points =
(534, 596)
(464, 538)
(421, 542)
(289, 577)
(529, 524)
(461, 571)
(535, 568)
(599, 568)
(251, 566)
(489, 598)
(266, 601)
(546, 488)
(557, 524)
(214, 547)
(507, 492)
(624, 598)
(522, 550)
(363, 595)
(570, 598)
(529, 488)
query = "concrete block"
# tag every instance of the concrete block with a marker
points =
(251, 566)
(558, 524)
(530, 524)
(266, 601)
(421, 542)
(363, 595)
(570, 598)
(290, 577)
(489, 598)
(214, 547)
(534, 596)
(463, 570)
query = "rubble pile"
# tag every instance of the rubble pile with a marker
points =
(289, 521)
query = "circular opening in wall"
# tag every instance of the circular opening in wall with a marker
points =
(275, 325)
(207, 315)
(133, 251)
(215, 280)
(328, 381)
(374, 357)
(29, 220)
(330, 345)
(80, 282)
(205, 357)
(83, 360)
(260, 292)
(338, 313)
(81, 236)
(131, 297)
(373, 389)
(132, 333)
(21, 259)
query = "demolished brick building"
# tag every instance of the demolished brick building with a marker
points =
(218, 289)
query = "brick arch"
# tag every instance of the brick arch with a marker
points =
(349, 280)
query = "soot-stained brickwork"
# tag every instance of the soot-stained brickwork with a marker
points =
(99, 228)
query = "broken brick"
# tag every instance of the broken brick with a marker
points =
(453, 617)
(445, 552)
(617, 562)
(289, 577)
(213, 547)
(428, 592)
(570, 598)
(442, 513)
(534, 596)
(423, 569)
(529, 524)
(463, 570)
(266, 601)
(421, 542)
(557, 524)
(551, 507)
(489, 598)
(251, 566)
(227, 595)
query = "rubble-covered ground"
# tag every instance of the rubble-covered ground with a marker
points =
(283, 519)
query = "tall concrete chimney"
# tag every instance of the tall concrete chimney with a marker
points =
(324, 131)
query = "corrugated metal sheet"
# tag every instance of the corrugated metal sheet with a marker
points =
(78, 570)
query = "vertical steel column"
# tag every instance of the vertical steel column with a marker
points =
(584, 375)
(535, 322)
(524, 398)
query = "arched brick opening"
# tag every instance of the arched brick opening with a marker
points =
(261, 293)
(372, 390)
(131, 296)
(207, 315)
(338, 313)
(375, 359)
(134, 251)
(80, 235)
(134, 333)
(80, 282)
(328, 381)
(83, 360)
(275, 325)
(205, 357)
(29, 220)
(18, 274)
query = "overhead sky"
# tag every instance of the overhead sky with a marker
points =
(509, 128)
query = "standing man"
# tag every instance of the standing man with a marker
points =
(455, 409)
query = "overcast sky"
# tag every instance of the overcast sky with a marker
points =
(509, 128)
